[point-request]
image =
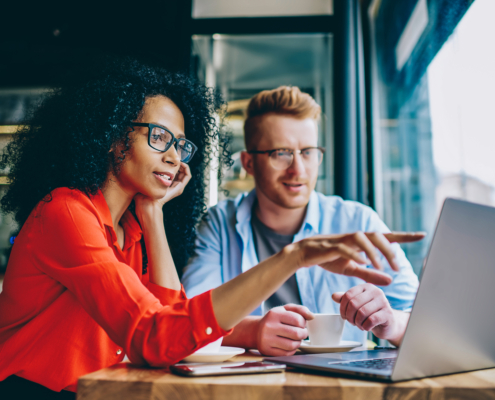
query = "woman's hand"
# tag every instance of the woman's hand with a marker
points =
(179, 183)
(341, 253)
(150, 207)
(150, 214)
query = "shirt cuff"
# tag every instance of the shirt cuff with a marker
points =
(206, 328)
(165, 295)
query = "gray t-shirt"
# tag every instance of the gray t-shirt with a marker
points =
(267, 243)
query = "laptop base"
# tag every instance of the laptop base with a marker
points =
(334, 363)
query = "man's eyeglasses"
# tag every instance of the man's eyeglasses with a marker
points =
(161, 139)
(283, 158)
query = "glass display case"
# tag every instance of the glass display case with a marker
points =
(239, 66)
(15, 105)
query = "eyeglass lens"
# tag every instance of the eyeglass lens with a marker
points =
(160, 140)
(185, 150)
(282, 159)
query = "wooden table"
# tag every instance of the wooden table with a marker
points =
(124, 381)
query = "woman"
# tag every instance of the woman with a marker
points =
(77, 296)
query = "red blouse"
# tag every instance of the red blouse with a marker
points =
(74, 302)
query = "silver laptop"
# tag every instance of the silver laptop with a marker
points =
(452, 323)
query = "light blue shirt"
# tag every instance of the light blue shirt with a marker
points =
(225, 248)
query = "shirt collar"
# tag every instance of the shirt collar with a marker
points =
(245, 206)
(312, 218)
(132, 229)
(101, 206)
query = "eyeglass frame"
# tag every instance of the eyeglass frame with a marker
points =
(174, 142)
(298, 151)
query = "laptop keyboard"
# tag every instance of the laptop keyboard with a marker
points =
(379, 363)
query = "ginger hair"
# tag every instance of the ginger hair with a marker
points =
(284, 100)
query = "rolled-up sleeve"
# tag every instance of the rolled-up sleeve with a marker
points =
(154, 325)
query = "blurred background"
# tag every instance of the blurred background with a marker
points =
(406, 87)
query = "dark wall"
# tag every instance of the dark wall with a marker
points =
(40, 40)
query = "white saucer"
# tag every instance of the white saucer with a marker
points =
(345, 345)
(223, 354)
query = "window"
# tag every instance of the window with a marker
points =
(434, 133)
(240, 66)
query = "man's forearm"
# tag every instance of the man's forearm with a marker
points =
(244, 334)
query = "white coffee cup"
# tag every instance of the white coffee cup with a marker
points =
(326, 329)
(213, 347)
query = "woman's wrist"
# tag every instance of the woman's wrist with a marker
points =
(291, 256)
(150, 214)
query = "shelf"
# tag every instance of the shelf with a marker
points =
(8, 129)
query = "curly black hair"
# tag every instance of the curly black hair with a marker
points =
(67, 140)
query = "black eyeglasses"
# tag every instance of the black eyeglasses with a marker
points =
(283, 158)
(161, 139)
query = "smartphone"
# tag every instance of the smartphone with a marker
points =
(232, 368)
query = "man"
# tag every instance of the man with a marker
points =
(283, 156)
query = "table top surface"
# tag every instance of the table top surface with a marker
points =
(124, 380)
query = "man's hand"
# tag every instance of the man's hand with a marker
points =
(281, 330)
(340, 254)
(366, 307)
